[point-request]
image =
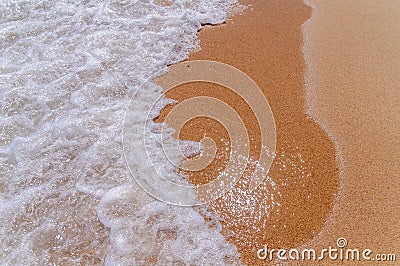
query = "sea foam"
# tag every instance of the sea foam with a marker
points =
(67, 72)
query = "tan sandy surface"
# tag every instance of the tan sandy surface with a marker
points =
(354, 91)
(265, 42)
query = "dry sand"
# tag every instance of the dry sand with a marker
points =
(354, 91)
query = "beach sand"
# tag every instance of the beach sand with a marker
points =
(353, 88)
(342, 186)
(265, 42)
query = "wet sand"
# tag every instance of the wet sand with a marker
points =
(265, 42)
(353, 89)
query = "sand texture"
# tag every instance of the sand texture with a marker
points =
(265, 42)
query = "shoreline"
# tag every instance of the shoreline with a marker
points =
(305, 170)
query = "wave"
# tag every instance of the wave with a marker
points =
(68, 70)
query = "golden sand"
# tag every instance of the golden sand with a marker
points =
(265, 42)
(354, 92)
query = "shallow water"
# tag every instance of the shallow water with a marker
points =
(67, 72)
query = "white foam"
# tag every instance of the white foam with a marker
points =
(67, 70)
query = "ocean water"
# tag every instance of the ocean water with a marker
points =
(67, 72)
